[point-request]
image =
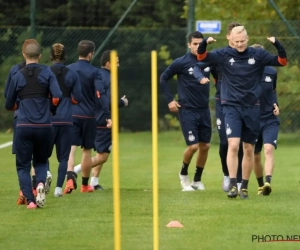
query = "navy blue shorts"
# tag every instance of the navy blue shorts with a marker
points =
(84, 133)
(62, 142)
(195, 125)
(242, 122)
(103, 140)
(220, 122)
(269, 128)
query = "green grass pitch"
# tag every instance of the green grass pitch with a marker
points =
(210, 219)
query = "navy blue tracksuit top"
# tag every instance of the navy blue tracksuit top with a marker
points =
(33, 112)
(268, 95)
(100, 114)
(191, 94)
(63, 114)
(242, 71)
(93, 90)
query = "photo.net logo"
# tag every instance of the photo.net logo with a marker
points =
(275, 238)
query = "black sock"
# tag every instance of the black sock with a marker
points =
(70, 174)
(184, 169)
(268, 178)
(223, 148)
(244, 184)
(240, 160)
(33, 182)
(198, 173)
(260, 181)
(233, 182)
(85, 181)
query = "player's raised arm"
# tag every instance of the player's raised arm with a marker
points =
(275, 60)
(211, 57)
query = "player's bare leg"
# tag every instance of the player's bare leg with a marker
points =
(269, 166)
(247, 165)
(95, 177)
(259, 172)
(200, 164)
(183, 175)
(71, 176)
(99, 159)
(86, 166)
(232, 163)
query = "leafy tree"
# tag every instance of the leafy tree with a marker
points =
(94, 13)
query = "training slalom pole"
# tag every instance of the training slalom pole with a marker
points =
(115, 149)
(154, 149)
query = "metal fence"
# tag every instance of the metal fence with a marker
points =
(134, 47)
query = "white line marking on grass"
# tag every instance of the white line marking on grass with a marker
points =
(6, 144)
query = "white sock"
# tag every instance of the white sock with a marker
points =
(58, 190)
(48, 173)
(77, 169)
(94, 181)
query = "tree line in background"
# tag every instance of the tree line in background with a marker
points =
(144, 14)
(150, 25)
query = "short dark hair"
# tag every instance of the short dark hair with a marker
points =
(32, 51)
(105, 57)
(195, 34)
(85, 47)
(28, 41)
(231, 25)
(58, 52)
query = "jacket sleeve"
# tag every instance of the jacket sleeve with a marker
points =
(76, 90)
(275, 100)
(274, 60)
(101, 94)
(171, 71)
(214, 56)
(55, 92)
(198, 69)
(12, 71)
(11, 95)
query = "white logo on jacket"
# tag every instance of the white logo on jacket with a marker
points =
(268, 79)
(251, 61)
(207, 69)
(191, 70)
(231, 61)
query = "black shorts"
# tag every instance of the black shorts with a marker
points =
(242, 122)
(84, 132)
(195, 125)
(103, 141)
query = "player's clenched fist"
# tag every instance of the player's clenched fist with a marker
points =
(210, 40)
(271, 39)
